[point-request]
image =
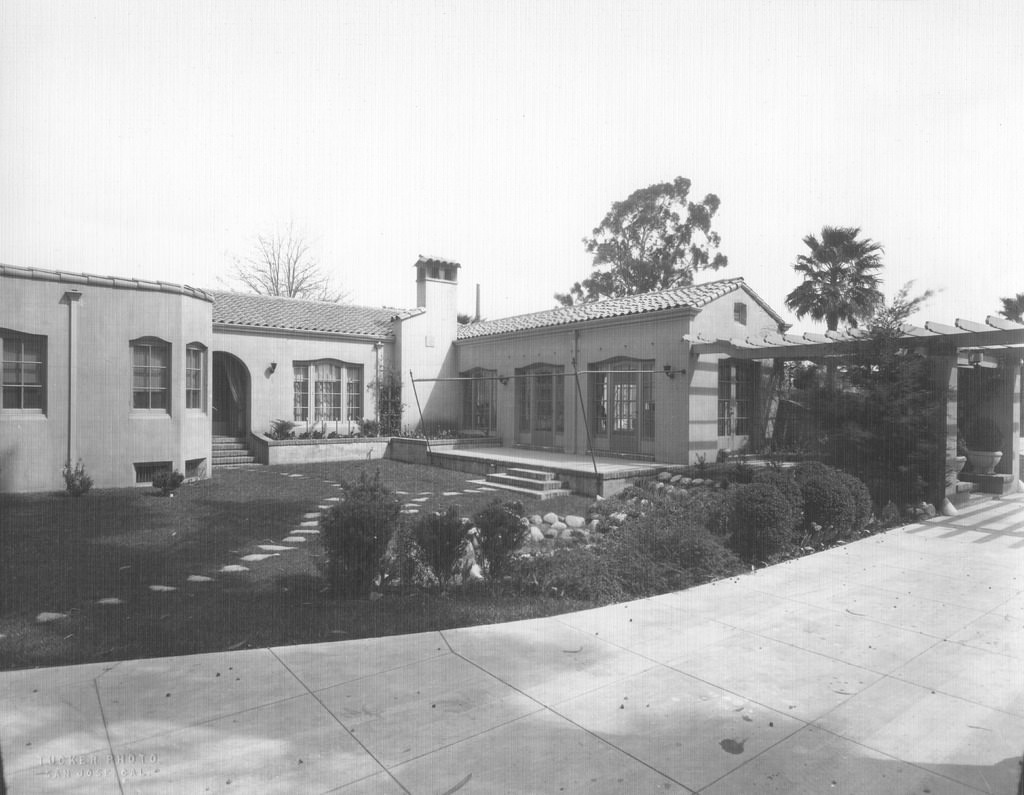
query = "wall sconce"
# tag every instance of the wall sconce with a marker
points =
(668, 371)
(503, 379)
(272, 368)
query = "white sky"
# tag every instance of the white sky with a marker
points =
(155, 139)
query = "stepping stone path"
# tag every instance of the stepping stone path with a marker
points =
(307, 527)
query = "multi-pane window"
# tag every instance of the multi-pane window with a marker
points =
(736, 387)
(327, 391)
(354, 394)
(478, 409)
(195, 376)
(622, 397)
(150, 374)
(327, 405)
(301, 412)
(24, 371)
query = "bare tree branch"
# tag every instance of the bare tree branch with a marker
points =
(283, 264)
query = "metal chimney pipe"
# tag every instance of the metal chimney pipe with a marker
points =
(476, 318)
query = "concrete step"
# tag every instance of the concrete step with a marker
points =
(508, 479)
(219, 461)
(531, 474)
(534, 493)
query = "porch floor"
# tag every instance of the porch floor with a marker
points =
(612, 475)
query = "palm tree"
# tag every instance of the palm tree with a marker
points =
(840, 277)
(1013, 308)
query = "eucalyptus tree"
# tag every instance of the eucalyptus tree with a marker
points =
(654, 239)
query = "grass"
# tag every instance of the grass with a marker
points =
(62, 555)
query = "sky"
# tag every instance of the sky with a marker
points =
(156, 139)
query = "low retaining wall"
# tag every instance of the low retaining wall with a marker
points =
(418, 451)
(311, 451)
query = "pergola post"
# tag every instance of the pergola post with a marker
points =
(1011, 365)
(944, 374)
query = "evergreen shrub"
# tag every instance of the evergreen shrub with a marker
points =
(442, 538)
(355, 533)
(762, 520)
(502, 532)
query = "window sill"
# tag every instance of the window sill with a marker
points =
(21, 414)
(149, 414)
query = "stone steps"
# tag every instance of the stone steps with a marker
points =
(536, 483)
(229, 451)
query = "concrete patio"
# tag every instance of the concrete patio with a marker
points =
(891, 665)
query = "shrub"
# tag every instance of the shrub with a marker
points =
(572, 573)
(837, 502)
(402, 563)
(862, 504)
(281, 429)
(368, 427)
(708, 508)
(502, 532)
(442, 538)
(355, 533)
(763, 522)
(785, 482)
(76, 481)
(166, 480)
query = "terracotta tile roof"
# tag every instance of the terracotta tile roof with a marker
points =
(290, 314)
(92, 280)
(694, 296)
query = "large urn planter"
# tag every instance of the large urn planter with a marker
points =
(984, 462)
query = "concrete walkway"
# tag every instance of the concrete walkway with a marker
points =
(891, 665)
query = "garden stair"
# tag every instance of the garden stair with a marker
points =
(228, 451)
(536, 483)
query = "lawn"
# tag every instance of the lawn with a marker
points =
(63, 555)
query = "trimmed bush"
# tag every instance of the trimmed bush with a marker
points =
(502, 532)
(785, 482)
(167, 481)
(356, 533)
(828, 504)
(442, 538)
(863, 507)
(763, 522)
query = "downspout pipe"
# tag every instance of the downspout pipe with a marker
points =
(71, 297)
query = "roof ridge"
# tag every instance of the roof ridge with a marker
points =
(605, 301)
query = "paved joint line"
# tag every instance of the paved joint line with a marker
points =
(348, 731)
(546, 707)
(106, 731)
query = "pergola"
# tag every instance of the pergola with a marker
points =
(995, 344)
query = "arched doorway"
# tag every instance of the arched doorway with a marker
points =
(230, 396)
